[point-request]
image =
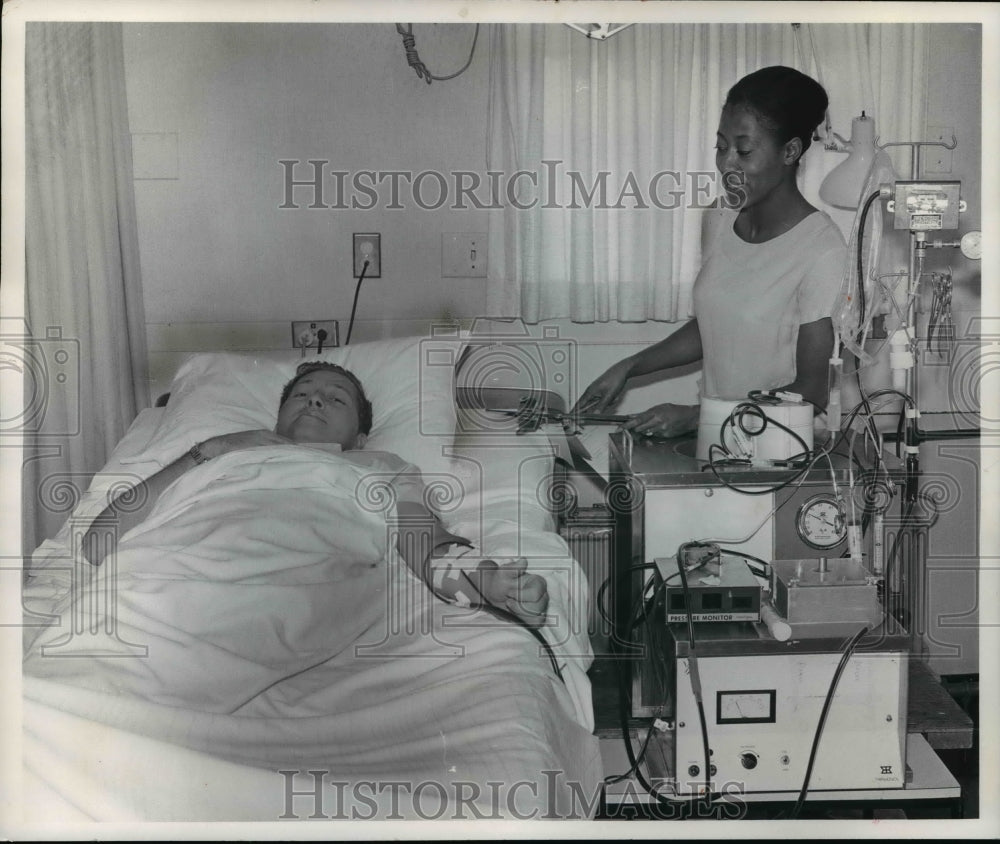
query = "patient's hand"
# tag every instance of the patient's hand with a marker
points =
(510, 587)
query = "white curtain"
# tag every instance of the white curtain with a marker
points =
(646, 102)
(880, 69)
(85, 379)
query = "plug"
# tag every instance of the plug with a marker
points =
(315, 333)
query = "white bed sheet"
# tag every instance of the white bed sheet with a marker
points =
(486, 716)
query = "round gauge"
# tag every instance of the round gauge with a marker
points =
(820, 523)
(972, 245)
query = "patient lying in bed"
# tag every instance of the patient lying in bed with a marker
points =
(325, 406)
(244, 562)
(275, 607)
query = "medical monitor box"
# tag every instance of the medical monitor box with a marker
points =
(724, 589)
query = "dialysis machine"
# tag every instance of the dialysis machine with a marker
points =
(769, 663)
(815, 692)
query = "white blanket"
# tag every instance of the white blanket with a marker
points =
(282, 634)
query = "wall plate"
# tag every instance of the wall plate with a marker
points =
(368, 246)
(463, 254)
(305, 333)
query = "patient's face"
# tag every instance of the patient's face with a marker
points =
(321, 408)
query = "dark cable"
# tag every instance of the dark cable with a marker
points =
(354, 307)
(735, 552)
(693, 659)
(807, 457)
(861, 277)
(320, 337)
(413, 58)
(623, 707)
(890, 558)
(513, 618)
(615, 778)
(851, 645)
(736, 420)
(506, 615)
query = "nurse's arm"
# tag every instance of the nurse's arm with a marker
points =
(812, 362)
(680, 348)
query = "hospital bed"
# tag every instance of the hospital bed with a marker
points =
(218, 668)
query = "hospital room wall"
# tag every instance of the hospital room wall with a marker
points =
(215, 108)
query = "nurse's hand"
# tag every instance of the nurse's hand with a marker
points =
(604, 391)
(664, 421)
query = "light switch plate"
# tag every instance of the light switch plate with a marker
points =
(463, 255)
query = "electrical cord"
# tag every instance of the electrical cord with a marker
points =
(635, 760)
(506, 615)
(848, 650)
(848, 431)
(599, 599)
(354, 307)
(765, 570)
(616, 778)
(413, 58)
(624, 703)
(796, 482)
(890, 558)
(736, 420)
(693, 657)
(861, 276)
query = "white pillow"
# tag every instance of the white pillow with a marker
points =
(408, 380)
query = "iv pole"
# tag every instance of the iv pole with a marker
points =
(909, 358)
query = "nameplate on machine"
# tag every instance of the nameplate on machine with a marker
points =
(721, 590)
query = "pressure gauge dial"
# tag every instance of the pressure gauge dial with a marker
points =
(820, 522)
(972, 245)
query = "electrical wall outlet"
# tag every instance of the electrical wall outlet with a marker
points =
(306, 334)
(368, 247)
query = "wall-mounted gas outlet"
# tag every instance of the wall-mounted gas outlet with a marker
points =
(306, 334)
(368, 247)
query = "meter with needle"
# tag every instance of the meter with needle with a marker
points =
(820, 523)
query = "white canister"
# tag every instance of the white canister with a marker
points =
(772, 444)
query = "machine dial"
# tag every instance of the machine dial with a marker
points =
(972, 245)
(820, 522)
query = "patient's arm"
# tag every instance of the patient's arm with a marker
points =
(453, 570)
(127, 515)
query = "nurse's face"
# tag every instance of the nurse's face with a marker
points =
(750, 158)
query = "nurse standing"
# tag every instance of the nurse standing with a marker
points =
(771, 272)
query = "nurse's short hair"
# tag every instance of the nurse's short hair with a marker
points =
(364, 405)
